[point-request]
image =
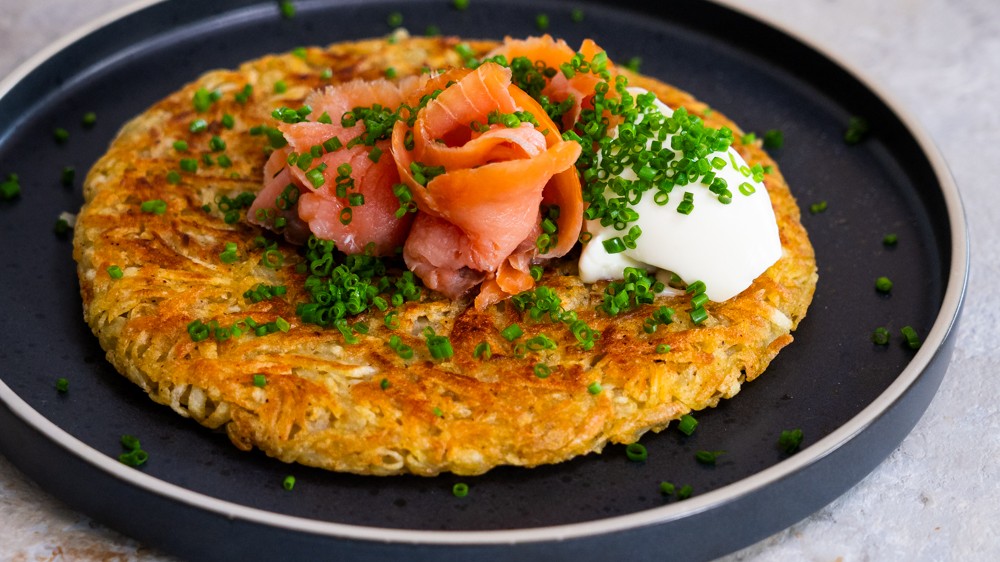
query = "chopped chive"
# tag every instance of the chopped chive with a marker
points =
(287, 10)
(460, 490)
(912, 340)
(432, 30)
(662, 348)
(708, 457)
(228, 121)
(89, 119)
(542, 370)
(62, 385)
(857, 130)
(68, 176)
(698, 315)
(217, 144)
(542, 22)
(790, 440)
(687, 424)
(280, 87)
(180, 145)
(198, 126)
(883, 285)
(633, 64)
(10, 188)
(390, 73)
(289, 482)
(115, 272)
(576, 16)
(614, 245)
(890, 240)
(482, 351)
(395, 19)
(594, 388)
(685, 492)
(817, 208)
(438, 346)
(636, 452)
(60, 135)
(774, 139)
(61, 227)
(154, 206)
(512, 332)
(880, 336)
(667, 488)
(260, 380)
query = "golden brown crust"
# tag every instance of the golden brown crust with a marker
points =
(324, 403)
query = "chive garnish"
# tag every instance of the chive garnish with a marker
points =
(857, 130)
(460, 490)
(883, 285)
(636, 452)
(542, 370)
(880, 336)
(10, 188)
(60, 135)
(687, 424)
(134, 455)
(288, 483)
(62, 385)
(912, 340)
(774, 139)
(790, 440)
(512, 332)
(68, 176)
(708, 457)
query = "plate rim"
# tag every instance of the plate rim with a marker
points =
(951, 304)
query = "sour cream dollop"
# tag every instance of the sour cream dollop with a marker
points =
(724, 246)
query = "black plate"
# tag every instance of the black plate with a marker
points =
(854, 401)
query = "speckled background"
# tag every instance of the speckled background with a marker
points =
(937, 497)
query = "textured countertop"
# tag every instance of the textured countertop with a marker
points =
(937, 497)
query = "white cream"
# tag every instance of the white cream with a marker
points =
(724, 246)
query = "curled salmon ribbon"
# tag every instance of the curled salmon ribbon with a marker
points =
(480, 218)
(318, 209)
(554, 53)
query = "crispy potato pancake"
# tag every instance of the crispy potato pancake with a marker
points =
(360, 407)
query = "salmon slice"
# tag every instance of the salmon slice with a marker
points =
(437, 252)
(368, 226)
(554, 53)
(491, 190)
(267, 206)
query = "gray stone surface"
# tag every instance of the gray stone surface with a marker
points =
(937, 497)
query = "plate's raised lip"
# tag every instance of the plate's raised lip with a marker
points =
(951, 304)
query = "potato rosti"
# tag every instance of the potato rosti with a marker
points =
(164, 206)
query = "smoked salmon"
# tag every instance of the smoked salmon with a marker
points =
(492, 182)
(345, 190)
(493, 157)
(577, 86)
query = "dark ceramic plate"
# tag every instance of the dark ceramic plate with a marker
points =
(199, 497)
